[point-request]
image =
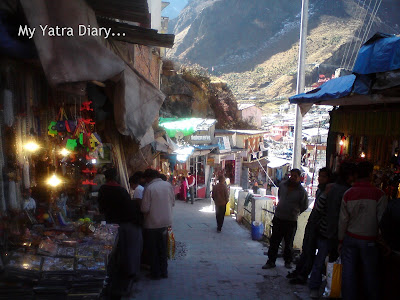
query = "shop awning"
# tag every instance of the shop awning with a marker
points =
(256, 163)
(66, 58)
(136, 105)
(138, 35)
(376, 78)
(129, 10)
(379, 54)
(275, 162)
(185, 126)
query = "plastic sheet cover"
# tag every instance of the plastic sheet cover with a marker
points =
(381, 53)
(332, 89)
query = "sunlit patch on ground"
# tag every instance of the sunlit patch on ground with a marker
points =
(208, 209)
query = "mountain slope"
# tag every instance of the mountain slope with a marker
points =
(253, 45)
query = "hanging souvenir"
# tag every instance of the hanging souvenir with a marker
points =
(52, 129)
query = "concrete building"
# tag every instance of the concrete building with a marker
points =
(251, 113)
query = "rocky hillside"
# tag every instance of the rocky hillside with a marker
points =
(191, 93)
(253, 45)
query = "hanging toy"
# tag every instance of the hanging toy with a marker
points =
(86, 106)
(71, 144)
(52, 129)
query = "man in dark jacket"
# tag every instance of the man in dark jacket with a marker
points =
(305, 263)
(328, 209)
(118, 208)
(293, 200)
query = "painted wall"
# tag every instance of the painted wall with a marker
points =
(252, 114)
(155, 11)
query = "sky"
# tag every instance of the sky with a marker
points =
(173, 10)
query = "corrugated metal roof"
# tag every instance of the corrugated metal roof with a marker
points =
(128, 10)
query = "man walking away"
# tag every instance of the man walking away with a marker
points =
(157, 203)
(220, 195)
(293, 200)
(191, 182)
(362, 209)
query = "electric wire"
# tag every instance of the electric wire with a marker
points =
(348, 45)
(347, 63)
(366, 32)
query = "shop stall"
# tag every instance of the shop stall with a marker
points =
(364, 122)
(51, 240)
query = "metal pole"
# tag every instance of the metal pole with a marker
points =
(300, 85)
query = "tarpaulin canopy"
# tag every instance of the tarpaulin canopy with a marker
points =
(332, 89)
(67, 58)
(379, 54)
(185, 126)
(376, 78)
(136, 106)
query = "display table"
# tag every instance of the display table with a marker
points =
(59, 263)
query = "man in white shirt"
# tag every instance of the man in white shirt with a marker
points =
(157, 203)
(135, 181)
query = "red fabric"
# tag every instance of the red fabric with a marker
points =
(190, 179)
(363, 190)
(112, 183)
(183, 191)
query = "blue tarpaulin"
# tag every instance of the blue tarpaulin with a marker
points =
(332, 89)
(381, 53)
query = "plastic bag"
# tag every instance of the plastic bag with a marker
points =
(171, 244)
(333, 279)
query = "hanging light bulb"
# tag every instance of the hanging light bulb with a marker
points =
(54, 181)
(31, 146)
(362, 155)
(341, 143)
(65, 152)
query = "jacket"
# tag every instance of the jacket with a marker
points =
(291, 203)
(220, 194)
(362, 208)
(158, 200)
(117, 206)
(390, 225)
(332, 209)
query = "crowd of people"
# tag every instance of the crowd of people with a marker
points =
(351, 220)
(143, 220)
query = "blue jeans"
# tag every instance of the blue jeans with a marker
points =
(319, 262)
(360, 260)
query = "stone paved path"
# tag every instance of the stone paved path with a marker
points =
(211, 265)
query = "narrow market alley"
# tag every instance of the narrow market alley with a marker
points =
(211, 265)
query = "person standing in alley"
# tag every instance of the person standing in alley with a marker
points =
(293, 200)
(328, 209)
(118, 208)
(220, 195)
(158, 200)
(360, 213)
(191, 180)
(305, 262)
